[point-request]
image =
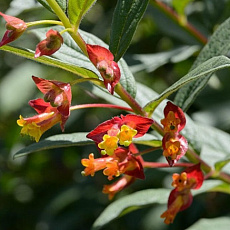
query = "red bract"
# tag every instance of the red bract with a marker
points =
(102, 59)
(50, 45)
(47, 117)
(181, 198)
(57, 93)
(119, 130)
(15, 27)
(139, 123)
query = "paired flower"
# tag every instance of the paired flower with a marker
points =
(119, 130)
(50, 45)
(173, 143)
(103, 60)
(15, 28)
(54, 109)
(181, 197)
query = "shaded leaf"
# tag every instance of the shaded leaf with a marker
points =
(126, 17)
(207, 67)
(57, 141)
(77, 9)
(222, 223)
(219, 44)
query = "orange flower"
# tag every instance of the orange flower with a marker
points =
(181, 198)
(46, 118)
(117, 186)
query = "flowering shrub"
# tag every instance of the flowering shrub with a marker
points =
(148, 124)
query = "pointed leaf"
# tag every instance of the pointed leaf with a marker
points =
(126, 17)
(57, 141)
(77, 9)
(61, 3)
(206, 68)
(141, 199)
(29, 54)
(219, 44)
(129, 203)
(220, 164)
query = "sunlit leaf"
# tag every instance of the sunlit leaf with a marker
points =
(219, 44)
(207, 67)
(138, 200)
(77, 9)
(220, 164)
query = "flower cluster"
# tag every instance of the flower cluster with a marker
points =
(53, 109)
(181, 197)
(119, 155)
(174, 144)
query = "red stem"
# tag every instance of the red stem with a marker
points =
(164, 165)
(174, 16)
(100, 106)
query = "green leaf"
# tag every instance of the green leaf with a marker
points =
(57, 141)
(224, 188)
(127, 15)
(77, 9)
(180, 6)
(61, 3)
(222, 223)
(72, 54)
(129, 203)
(26, 53)
(219, 44)
(141, 199)
(206, 68)
(220, 164)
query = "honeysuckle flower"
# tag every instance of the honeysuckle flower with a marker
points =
(15, 28)
(103, 60)
(119, 130)
(47, 117)
(57, 93)
(181, 197)
(123, 161)
(118, 185)
(174, 120)
(174, 147)
(50, 45)
(173, 143)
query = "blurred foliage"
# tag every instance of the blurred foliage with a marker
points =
(45, 190)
